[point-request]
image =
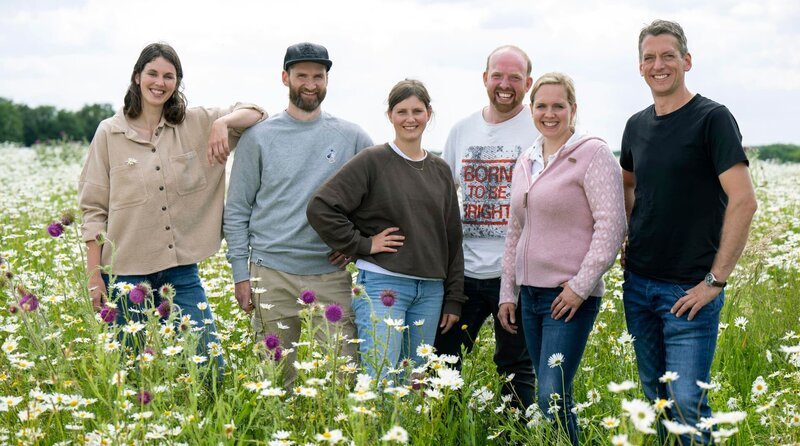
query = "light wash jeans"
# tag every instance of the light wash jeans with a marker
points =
(416, 300)
(664, 343)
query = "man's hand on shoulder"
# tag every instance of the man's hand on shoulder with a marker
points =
(695, 299)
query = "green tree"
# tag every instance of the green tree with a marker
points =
(90, 116)
(10, 122)
(785, 153)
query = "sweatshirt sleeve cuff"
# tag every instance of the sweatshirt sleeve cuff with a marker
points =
(240, 269)
(582, 293)
(364, 246)
(451, 307)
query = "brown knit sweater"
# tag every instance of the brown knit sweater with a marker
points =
(379, 189)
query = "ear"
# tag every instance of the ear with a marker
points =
(528, 83)
(285, 77)
(136, 78)
(687, 62)
(485, 78)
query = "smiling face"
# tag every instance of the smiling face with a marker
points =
(553, 115)
(308, 85)
(157, 82)
(506, 80)
(409, 118)
(662, 65)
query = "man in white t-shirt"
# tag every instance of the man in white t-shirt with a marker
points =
(481, 150)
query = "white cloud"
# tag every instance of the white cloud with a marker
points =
(71, 53)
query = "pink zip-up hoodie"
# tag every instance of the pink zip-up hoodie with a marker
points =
(568, 224)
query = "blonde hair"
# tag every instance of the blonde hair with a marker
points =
(556, 78)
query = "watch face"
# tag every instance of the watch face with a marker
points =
(709, 279)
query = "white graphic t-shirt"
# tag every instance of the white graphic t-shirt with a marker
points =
(482, 158)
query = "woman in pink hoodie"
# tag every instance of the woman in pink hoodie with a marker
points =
(567, 224)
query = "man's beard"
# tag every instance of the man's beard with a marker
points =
(303, 104)
(505, 108)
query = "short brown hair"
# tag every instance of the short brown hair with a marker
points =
(407, 88)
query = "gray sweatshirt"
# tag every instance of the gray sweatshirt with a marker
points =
(278, 165)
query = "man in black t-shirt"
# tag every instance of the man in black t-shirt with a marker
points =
(690, 202)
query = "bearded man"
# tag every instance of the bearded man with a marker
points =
(273, 251)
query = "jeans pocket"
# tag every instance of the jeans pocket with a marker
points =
(679, 290)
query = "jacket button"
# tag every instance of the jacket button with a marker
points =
(167, 228)
(158, 167)
(160, 187)
(153, 150)
(170, 246)
(163, 208)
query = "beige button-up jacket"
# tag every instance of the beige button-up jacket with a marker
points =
(159, 202)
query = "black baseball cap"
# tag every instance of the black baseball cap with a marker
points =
(306, 52)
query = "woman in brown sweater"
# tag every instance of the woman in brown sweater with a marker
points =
(394, 208)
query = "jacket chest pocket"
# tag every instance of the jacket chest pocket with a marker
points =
(127, 187)
(189, 174)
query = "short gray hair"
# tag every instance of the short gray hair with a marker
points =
(659, 27)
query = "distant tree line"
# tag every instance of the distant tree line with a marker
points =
(784, 153)
(27, 125)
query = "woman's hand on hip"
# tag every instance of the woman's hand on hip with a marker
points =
(567, 303)
(385, 242)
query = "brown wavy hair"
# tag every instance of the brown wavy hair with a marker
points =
(175, 108)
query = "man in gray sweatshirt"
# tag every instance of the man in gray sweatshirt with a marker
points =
(275, 254)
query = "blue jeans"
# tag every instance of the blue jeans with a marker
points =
(189, 293)
(383, 346)
(510, 354)
(546, 336)
(664, 343)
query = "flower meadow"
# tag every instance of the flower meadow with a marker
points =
(69, 375)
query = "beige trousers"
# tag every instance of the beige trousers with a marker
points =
(277, 304)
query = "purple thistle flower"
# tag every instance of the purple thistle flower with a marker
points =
(144, 397)
(108, 315)
(333, 313)
(388, 297)
(136, 295)
(308, 297)
(29, 302)
(55, 229)
(149, 351)
(357, 290)
(67, 217)
(272, 341)
(167, 291)
(277, 355)
(164, 308)
(13, 309)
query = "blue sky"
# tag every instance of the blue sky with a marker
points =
(745, 54)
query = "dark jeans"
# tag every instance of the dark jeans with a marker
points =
(510, 354)
(547, 336)
(189, 293)
(665, 343)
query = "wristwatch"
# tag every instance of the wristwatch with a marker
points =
(711, 280)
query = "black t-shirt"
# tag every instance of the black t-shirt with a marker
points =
(676, 223)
